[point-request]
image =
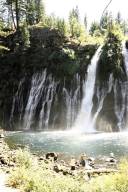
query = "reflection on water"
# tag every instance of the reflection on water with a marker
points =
(72, 143)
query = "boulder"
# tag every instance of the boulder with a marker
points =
(53, 155)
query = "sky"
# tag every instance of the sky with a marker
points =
(92, 8)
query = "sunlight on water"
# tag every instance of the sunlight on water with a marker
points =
(72, 143)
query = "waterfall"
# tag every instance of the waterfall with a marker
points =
(101, 94)
(33, 99)
(72, 101)
(125, 54)
(17, 104)
(43, 103)
(83, 122)
(120, 98)
(47, 102)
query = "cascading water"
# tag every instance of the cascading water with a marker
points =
(101, 94)
(46, 103)
(120, 101)
(72, 100)
(17, 104)
(83, 122)
(125, 54)
(34, 97)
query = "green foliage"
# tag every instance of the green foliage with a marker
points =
(23, 158)
(54, 22)
(39, 11)
(95, 29)
(19, 11)
(62, 27)
(25, 35)
(1, 24)
(38, 178)
(85, 21)
(30, 13)
(111, 59)
(117, 182)
(41, 177)
(74, 24)
(105, 22)
(3, 50)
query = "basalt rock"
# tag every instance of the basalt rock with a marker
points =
(52, 155)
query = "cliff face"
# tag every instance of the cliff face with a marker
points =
(41, 85)
(66, 64)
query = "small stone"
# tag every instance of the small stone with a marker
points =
(41, 158)
(56, 169)
(3, 161)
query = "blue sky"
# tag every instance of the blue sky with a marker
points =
(92, 8)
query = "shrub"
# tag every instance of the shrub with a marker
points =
(41, 178)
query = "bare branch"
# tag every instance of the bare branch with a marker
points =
(106, 8)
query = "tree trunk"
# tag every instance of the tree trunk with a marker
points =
(17, 14)
(12, 14)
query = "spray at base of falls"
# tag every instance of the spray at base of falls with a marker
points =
(83, 122)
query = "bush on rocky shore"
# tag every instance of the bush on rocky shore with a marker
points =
(33, 175)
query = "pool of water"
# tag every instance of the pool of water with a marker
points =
(72, 143)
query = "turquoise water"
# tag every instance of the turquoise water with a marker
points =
(71, 143)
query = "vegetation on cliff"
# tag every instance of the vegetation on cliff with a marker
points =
(111, 59)
(32, 41)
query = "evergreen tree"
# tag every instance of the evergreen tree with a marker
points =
(39, 11)
(61, 26)
(118, 18)
(25, 35)
(30, 12)
(17, 10)
(106, 22)
(85, 22)
(74, 22)
(94, 28)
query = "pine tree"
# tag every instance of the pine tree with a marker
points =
(118, 18)
(85, 22)
(74, 22)
(94, 28)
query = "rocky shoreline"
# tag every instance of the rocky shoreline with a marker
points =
(89, 166)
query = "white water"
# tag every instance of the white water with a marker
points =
(17, 102)
(46, 103)
(125, 54)
(33, 99)
(101, 94)
(72, 101)
(83, 122)
(120, 98)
